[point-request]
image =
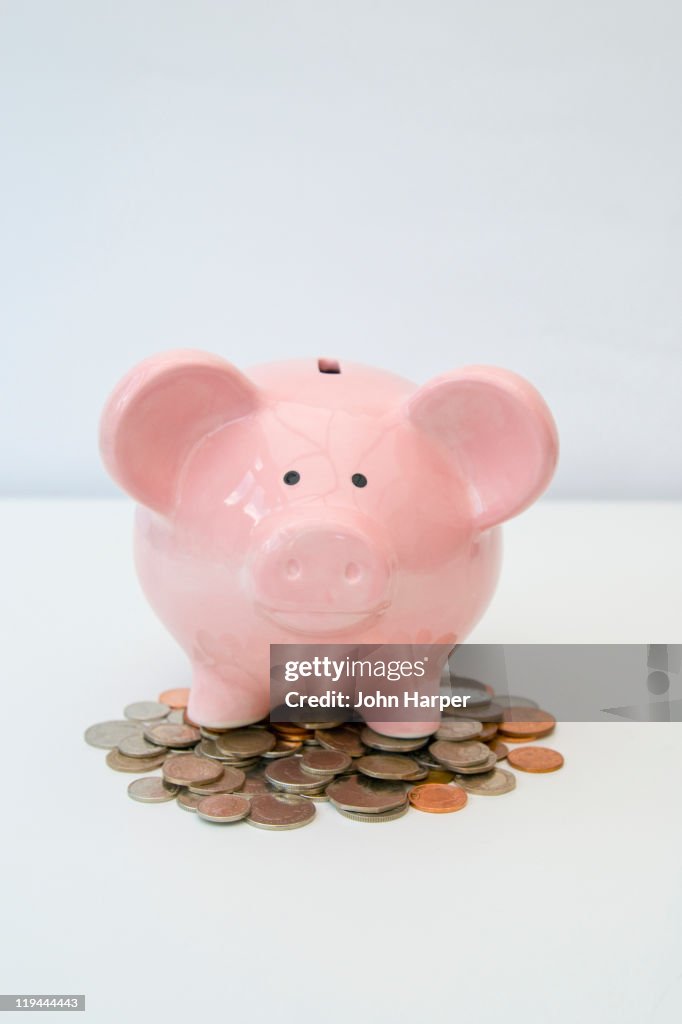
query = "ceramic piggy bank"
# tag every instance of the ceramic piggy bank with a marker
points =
(317, 502)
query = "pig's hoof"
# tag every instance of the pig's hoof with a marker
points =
(220, 708)
(403, 730)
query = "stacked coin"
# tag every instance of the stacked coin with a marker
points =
(271, 774)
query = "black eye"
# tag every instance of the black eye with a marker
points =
(292, 477)
(359, 479)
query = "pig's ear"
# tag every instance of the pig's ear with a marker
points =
(160, 411)
(499, 431)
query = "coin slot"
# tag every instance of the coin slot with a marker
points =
(328, 366)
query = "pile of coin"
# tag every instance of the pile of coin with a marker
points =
(272, 774)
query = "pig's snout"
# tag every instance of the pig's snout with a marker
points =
(321, 578)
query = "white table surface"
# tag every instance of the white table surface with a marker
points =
(560, 902)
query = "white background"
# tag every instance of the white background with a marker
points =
(560, 902)
(416, 185)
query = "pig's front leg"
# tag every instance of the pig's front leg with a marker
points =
(403, 730)
(226, 699)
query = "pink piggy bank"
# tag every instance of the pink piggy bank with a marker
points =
(312, 502)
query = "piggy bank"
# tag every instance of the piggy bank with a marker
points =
(312, 501)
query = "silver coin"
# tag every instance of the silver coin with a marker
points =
(107, 735)
(165, 734)
(478, 769)
(146, 711)
(372, 796)
(133, 765)
(494, 783)
(458, 729)
(392, 744)
(243, 743)
(418, 774)
(289, 775)
(455, 755)
(176, 716)
(152, 790)
(223, 808)
(280, 811)
(490, 713)
(211, 734)
(137, 746)
(231, 780)
(424, 760)
(207, 748)
(281, 749)
(387, 766)
(370, 819)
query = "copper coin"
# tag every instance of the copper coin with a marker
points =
(439, 776)
(279, 811)
(535, 759)
(223, 807)
(360, 793)
(189, 801)
(175, 698)
(520, 739)
(168, 735)
(120, 763)
(231, 780)
(499, 748)
(188, 770)
(287, 729)
(256, 784)
(523, 721)
(437, 799)
(282, 748)
(344, 739)
(489, 732)
(325, 762)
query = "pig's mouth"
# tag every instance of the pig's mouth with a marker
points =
(322, 622)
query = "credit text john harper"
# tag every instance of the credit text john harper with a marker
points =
(408, 699)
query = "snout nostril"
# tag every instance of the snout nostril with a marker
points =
(353, 572)
(292, 569)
